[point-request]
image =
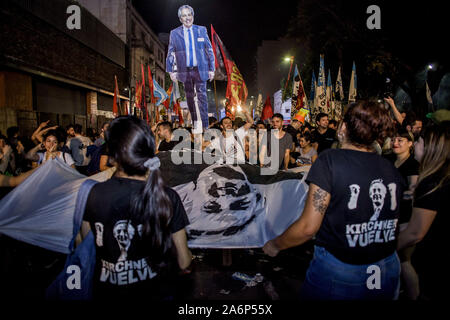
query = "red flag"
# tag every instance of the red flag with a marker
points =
(178, 111)
(138, 95)
(143, 97)
(167, 102)
(267, 112)
(150, 85)
(116, 92)
(236, 89)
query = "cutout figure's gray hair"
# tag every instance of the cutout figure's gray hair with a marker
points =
(185, 6)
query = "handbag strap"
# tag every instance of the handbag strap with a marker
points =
(80, 205)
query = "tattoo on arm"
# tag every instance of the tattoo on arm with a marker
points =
(319, 200)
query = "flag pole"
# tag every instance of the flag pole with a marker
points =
(289, 74)
(215, 99)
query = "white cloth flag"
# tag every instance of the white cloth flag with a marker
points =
(339, 87)
(227, 206)
(40, 210)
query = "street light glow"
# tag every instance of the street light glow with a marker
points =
(430, 67)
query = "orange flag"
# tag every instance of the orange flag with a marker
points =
(168, 101)
(236, 89)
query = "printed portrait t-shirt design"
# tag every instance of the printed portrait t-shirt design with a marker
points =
(360, 224)
(122, 248)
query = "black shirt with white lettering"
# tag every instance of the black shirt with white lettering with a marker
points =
(360, 223)
(123, 256)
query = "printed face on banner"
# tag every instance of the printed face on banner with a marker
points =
(222, 203)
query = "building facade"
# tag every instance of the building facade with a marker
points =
(51, 72)
(143, 44)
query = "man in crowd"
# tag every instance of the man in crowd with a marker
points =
(413, 124)
(231, 144)
(164, 132)
(78, 148)
(323, 136)
(70, 132)
(101, 139)
(293, 128)
(332, 124)
(285, 143)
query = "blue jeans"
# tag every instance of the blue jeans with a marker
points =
(328, 278)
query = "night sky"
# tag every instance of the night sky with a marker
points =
(241, 24)
(414, 32)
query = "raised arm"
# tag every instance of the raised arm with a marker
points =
(248, 119)
(397, 114)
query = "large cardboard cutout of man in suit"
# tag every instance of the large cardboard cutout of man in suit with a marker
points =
(190, 59)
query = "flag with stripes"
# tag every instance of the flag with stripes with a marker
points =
(298, 94)
(352, 92)
(160, 93)
(321, 95)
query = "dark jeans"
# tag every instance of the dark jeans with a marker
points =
(193, 80)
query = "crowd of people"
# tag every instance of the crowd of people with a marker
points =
(377, 179)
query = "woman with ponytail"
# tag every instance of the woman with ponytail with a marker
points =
(138, 222)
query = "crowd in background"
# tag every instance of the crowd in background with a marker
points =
(418, 148)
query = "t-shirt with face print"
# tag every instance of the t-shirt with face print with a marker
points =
(360, 225)
(124, 264)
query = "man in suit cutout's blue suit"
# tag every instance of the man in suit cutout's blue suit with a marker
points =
(190, 59)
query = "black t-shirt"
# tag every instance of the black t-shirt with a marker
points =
(360, 223)
(105, 152)
(324, 141)
(123, 261)
(431, 251)
(408, 168)
(167, 146)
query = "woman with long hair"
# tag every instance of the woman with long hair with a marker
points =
(352, 209)
(304, 154)
(138, 222)
(403, 158)
(51, 145)
(429, 220)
